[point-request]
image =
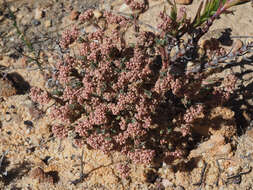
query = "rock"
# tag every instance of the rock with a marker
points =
(6, 88)
(237, 45)
(36, 22)
(48, 23)
(183, 2)
(97, 14)
(41, 176)
(13, 8)
(167, 183)
(211, 146)
(250, 134)
(219, 121)
(74, 15)
(39, 13)
(223, 150)
(210, 44)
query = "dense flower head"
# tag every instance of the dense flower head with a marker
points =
(60, 131)
(39, 96)
(86, 16)
(123, 169)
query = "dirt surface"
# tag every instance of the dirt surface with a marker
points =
(31, 158)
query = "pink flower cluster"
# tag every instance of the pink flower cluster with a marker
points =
(142, 156)
(115, 19)
(192, 113)
(86, 16)
(135, 5)
(68, 37)
(166, 24)
(223, 92)
(100, 142)
(60, 131)
(123, 170)
(39, 96)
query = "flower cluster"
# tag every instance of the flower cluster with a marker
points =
(123, 170)
(192, 113)
(39, 96)
(68, 37)
(134, 5)
(86, 16)
(60, 131)
(223, 92)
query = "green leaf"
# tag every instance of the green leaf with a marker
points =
(133, 120)
(169, 130)
(93, 65)
(173, 13)
(211, 7)
(57, 92)
(108, 138)
(148, 93)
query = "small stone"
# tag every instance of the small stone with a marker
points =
(232, 170)
(209, 146)
(8, 117)
(36, 22)
(6, 88)
(237, 45)
(13, 8)
(180, 188)
(48, 23)
(28, 123)
(166, 183)
(223, 150)
(250, 134)
(246, 116)
(41, 176)
(74, 15)
(124, 8)
(1, 18)
(183, 2)
(210, 44)
(97, 14)
(39, 13)
(200, 163)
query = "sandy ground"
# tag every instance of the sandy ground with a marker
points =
(31, 158)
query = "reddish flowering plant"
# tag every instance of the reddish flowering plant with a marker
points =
(121, 97)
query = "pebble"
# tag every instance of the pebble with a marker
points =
(224, 150)
(36, 22)
(28, 123)
(166, 183)
(39, 13)
(183, 2)
(211, 44)
(8, 117)
(74, 15)
(209, 146)
(39, 174)
(13, 8)
(124, 8)
(237, 45)
(97, 14)
(48, 23)
(6, 88)
(180, 187)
